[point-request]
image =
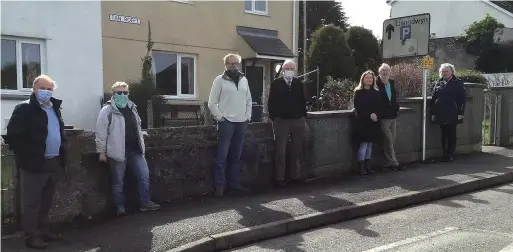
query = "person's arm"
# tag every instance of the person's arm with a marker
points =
(213, 99)
(358, 104)
(249, 104)
(378, 104)
(17, 127)
(303, 98)
(102, 130)
(271, 102)
(461, 100)
(394, 94)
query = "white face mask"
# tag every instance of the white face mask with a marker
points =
(288, 75)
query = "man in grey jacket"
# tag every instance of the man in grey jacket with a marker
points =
(120, 142)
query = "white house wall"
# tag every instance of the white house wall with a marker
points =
(450, 18)
(73, 53)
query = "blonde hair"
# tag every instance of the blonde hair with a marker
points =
(230, 55)
(44, 77)
(119, 84)
(446, 66)
(361, 85)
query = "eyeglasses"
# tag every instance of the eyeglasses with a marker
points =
(121, 92)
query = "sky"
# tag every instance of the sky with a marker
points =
(367, 13)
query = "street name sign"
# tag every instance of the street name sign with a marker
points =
(406, 36)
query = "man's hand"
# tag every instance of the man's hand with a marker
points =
(460, 117)
(103, 158)
(222, 119)
(373, 117)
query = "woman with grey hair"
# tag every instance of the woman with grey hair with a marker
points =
(448, 107)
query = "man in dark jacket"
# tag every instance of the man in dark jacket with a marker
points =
(390, 108)
(287, 110)
(36, 135)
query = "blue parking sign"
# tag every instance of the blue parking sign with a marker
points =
(405, 32)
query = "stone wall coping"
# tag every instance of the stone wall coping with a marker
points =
(475, 85)
(502, 88)
(343, 113)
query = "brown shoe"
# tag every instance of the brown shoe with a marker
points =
(36, 242)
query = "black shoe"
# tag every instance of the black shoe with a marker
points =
(361, 166)
(36, 242)
(368, 166)
(450, 158)
(280, 183)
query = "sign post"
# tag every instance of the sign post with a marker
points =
(427, 63)
(409, 37)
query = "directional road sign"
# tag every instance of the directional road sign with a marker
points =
(406, 36)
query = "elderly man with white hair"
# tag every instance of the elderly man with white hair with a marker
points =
(230, 103)
(448, 108)
(287, 110)
(390, 108)
(36, 135)
(120, 143)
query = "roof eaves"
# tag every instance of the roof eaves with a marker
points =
(498, 8)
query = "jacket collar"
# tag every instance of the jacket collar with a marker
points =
(241, 75)
(56, 102)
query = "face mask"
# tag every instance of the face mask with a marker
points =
(44, 95)
(121, 100)
(288, 75)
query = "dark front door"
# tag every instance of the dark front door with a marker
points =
(255, 76)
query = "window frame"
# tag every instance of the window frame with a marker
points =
(254, 10)
(179, 94)
(19, 62)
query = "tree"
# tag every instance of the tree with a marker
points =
(478, 40)
(365, 49)
(330, 52)
(318, 14)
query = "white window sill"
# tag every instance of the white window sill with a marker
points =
(174, 97)
(15, 94)
(265, 14)
(183, 1)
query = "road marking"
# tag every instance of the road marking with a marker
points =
(508, 248)
(413, 239)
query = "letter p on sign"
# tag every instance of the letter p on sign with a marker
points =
(405, 32)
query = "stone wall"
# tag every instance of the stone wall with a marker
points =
(181, 159)
(501, 105)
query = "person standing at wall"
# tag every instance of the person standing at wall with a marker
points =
(367, 105)
(287, 110)
(120, 143)
(230, 103)
(448, 108)
(36, 135)
(389, 109)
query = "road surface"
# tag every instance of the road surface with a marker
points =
(481, 221)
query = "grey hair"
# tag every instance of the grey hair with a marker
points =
(289, 61)
(447, 66)
(383, 67)
(119, 84)
(44, 77)
(230, 55)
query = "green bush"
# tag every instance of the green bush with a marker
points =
(470, 76)
(336, 95)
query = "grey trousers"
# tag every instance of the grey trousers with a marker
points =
(37, 190)
(388, 126)
(283, 128)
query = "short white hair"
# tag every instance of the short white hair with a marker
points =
(384, 66)
(44, 77)
(447, 66)
(232, 55)
(119, 84)
(289, 61)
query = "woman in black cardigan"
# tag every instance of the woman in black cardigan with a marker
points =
(366, 127)
(448, 107)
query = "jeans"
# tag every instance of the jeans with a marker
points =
(137, 164)
(365, 151)
(229, 149)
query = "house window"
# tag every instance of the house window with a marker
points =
(256, 6)
(21, 63)
(175, 74)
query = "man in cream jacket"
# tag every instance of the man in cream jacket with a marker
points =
(230, 103)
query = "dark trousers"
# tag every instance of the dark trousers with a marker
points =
(229, 149)
(283, 128)
(448, 138)
(37, 190)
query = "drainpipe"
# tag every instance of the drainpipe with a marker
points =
(304, 40)
(294, 28)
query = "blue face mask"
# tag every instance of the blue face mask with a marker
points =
(44, 95)
(121, 100)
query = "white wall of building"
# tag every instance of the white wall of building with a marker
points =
(72, 53)
(450, 18)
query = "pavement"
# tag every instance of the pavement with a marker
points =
(479, 221)
(210, 224)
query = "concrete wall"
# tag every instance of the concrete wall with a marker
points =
(204, 29)
(450, 18)
(499, 79)
(72, 54)
(181, 160)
